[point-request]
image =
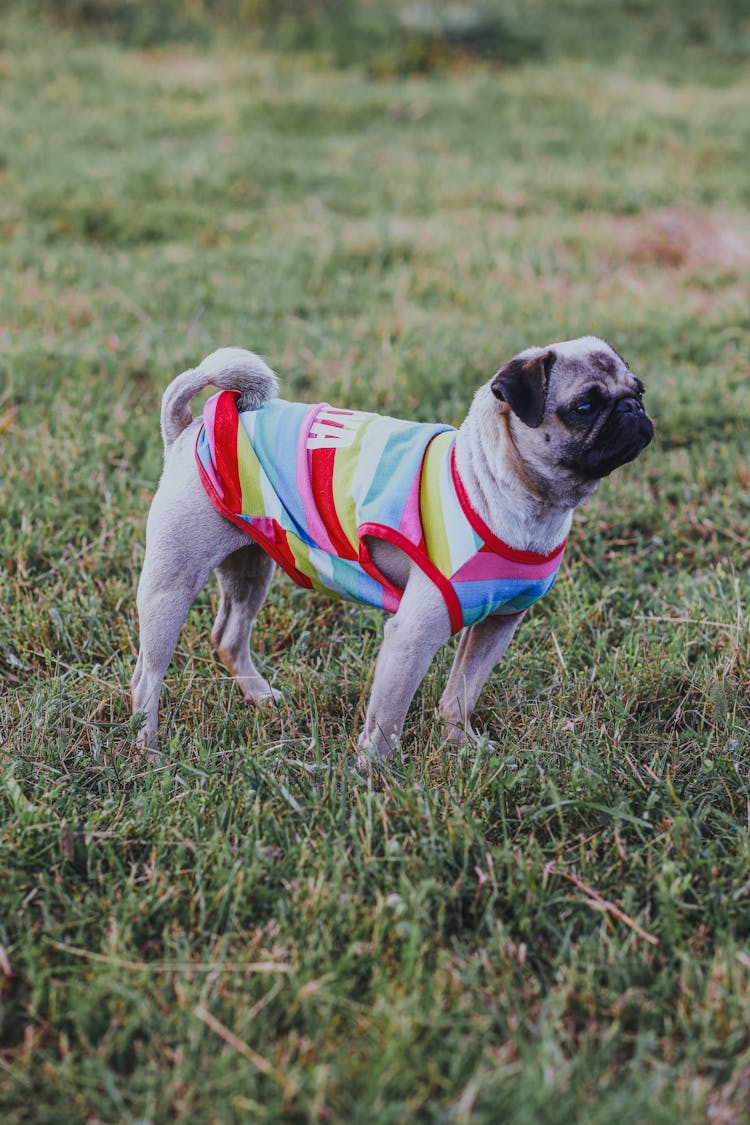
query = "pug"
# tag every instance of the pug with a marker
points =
(449, 531)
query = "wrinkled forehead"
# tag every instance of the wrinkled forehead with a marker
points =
(591, 352)
(592, 361)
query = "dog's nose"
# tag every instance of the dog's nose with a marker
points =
(629, 406)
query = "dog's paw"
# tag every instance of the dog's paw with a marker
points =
(147, 749)
(145, 740)
(462, 736)
(458, 734)
(270, 698)
(371, 761)
(258, 692)
(375, 753)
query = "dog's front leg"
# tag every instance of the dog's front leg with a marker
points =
(479, 650)
(410, 640)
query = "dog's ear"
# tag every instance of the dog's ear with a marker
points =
(523, 383)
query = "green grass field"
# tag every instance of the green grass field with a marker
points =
(554, 928)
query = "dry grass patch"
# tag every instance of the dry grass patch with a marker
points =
(681, 238)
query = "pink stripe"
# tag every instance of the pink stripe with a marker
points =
(266, 525)
(391, 601)
(209, 417)
(486, 567)
(315, 525)
(410, 523)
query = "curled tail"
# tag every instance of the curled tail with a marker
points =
(229, 369)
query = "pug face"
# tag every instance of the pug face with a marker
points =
(575, 414)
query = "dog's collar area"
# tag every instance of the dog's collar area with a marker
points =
(492, 541)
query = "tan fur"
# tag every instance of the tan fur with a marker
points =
(518, 478)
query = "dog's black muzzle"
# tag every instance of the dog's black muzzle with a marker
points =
(627, 432)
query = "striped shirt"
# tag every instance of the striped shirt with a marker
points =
(311, 485)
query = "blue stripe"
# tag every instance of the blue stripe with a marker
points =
(400, 463)
(511, 595)
(275, 437)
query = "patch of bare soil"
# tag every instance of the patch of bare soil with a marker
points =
(679, 238)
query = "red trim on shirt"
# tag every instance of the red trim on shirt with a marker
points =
(481, 528)
(226, 423)
(271, 548)
(380, 531)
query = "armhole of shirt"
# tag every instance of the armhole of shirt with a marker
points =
(380, 531)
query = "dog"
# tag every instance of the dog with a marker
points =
(451, 531)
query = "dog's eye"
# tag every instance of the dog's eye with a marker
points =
(590, 404)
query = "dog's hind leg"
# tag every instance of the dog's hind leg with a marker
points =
(244, 577)
(165, 595)
(186, 539)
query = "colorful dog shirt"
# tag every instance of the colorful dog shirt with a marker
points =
(310, 484)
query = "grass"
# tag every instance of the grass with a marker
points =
(553, 928)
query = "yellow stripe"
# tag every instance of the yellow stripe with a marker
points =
(248, 470)
(433, 523)
(302, 560)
